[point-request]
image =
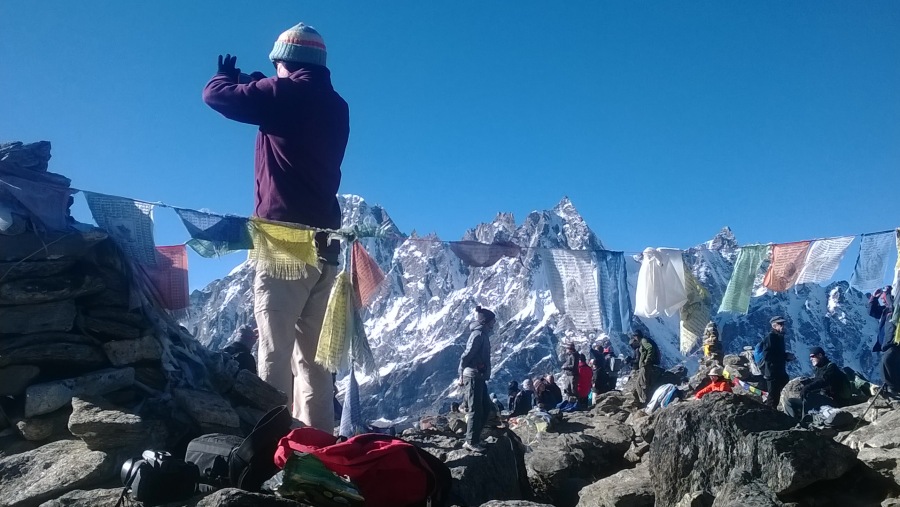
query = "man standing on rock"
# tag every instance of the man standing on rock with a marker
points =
(774, 361)
(304, 125)
(474, 372)
(648, 360)
(570, 368)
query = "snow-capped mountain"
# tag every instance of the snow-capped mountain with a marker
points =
(418, 324)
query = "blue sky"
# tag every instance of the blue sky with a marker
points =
(662, 121)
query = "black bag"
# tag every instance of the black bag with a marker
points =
(245, 463)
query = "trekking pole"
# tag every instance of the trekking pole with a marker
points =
(863, 416)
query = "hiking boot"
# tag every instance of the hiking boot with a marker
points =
(473, 447)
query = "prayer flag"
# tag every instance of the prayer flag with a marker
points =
(694, 314)
(351, 415)
(823, 258)
(615, 300)
(787, 262)
(333, 338)
(871, 264)
(477, 254)
(280, 251)
(740, 286)
(572, 279)
(215, 235)
(129, 223)
(366, 277)
(170, 277)
(47, 202)
(660, 287)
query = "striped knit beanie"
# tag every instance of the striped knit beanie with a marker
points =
(299, 44)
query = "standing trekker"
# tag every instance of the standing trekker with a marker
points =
(512, 390)
(774, 361)
(647, 361)
(570, 368)
(241, 348)
(474, 372)
(585, 380)
(304, 125)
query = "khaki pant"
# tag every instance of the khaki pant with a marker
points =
(289, 316)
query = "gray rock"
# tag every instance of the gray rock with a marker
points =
(14, 379)
(514, 503)
(891, 502)
(109, 329)
(253, 391)
(791, 390)
(103, 426)
(582, 448)
(50, 245)
(636, 452)
(883, 432)
(698, 443)
(884, 461)
(239, 498)
(249, 416)
(872, 410)
(209, 410)
(45, 427)
(68, 354)
(627, 488)
(17, 157)
(12, 443)
(44, 290)
(90, 498)
(696, 499)
(27, 319)
(746, 493)
(47, 397)
(125, 352)
(117, 314)
(36, 476)
(29, 269)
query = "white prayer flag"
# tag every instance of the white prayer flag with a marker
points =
(572, 278)
(823, 258)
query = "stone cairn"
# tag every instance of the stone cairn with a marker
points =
(92, 370)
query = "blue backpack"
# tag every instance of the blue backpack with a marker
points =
(758, 354)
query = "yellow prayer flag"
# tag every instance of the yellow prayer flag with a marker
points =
(280, 251)
(333, 344)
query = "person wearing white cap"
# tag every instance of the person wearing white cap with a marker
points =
(717, 382)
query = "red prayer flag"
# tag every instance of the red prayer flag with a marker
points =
(366, 276)
(787, 262)
(170, 276)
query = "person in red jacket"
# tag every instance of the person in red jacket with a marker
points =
(716, 382)
(585, 378)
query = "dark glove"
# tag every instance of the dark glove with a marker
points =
(227, 67)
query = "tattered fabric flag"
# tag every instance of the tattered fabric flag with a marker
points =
(47, 202)
(480, 255)
(615, 300)
(823, 258)
(694, 314)
(333, 338)
(871, 264)
(351, 417)
(280, 251)
(170, 277)
(740, 286)
(896, 283)
(215, 235)
(786, 263)
(128, 222)
(360, 351)
(660, 285)
(572, 278)
(367, 276)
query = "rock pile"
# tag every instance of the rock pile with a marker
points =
(90, 368)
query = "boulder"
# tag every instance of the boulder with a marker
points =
(212, 412)
(103, 426)
(44, 290)
(47, 397)
(254, 391)
(636, 452)
(125, 352)
(579, 450)
(34, 269)
(696, 499)
(514, 503)
(883, 432)
(239, 498)
(27, 319)
(67, 354)
(884, 461)
(49, 471)
(12, 443)
(872, 410)
(131, 318)
(49, 245)
(14, 379)
(627, 488)
(745, 492)
(109, 329)
(698, 443)
(90, 498)
(791, 390)
(45, 427)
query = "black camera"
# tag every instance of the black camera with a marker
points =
(159, 478)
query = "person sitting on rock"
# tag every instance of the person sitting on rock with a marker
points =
(512, 391)
(552, 392)
(585, 379)
(717, 383)
(712, 347)
(241, 348)
(647, 354)
(540, 392)
(829, 387)
(570, 368)
(524, 400)
(497, 403)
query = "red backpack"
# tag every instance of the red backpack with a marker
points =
(388, 471)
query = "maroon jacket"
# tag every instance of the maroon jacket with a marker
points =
(303, 129)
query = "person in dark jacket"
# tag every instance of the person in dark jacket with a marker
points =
(241, 348)
(570, 368)
(829, 387)
(304, 125)
(647, 355)
(512, 391)
(524, 401)
(774, 361)
(474, 372)
(553, 393)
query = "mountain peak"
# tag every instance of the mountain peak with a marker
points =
(723, 241)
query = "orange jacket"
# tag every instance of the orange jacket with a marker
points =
(720, 385)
